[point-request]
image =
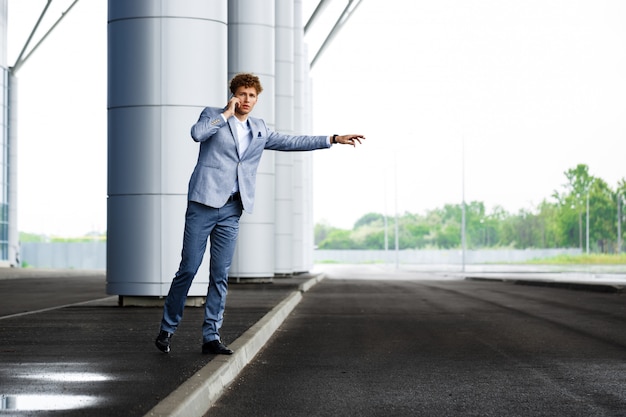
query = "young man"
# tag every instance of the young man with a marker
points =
(221, 186)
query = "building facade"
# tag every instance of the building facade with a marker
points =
(167, 61)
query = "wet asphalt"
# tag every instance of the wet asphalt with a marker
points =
(68, 349)
(364, 341)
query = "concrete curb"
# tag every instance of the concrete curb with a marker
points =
(196, 395)
(597, 286)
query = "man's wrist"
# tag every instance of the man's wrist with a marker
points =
(333, 139)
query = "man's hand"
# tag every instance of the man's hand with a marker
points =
(349, 139)
(231, 107)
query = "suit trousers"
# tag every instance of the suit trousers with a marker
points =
(221, 226)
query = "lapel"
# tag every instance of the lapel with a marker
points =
(256, 129)
(233, 130)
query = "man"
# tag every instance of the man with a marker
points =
(221, 186)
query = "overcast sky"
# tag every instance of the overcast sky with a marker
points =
(520, 91)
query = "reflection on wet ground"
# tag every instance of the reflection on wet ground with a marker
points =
(49, 401)
(67, 377)
(46, 402)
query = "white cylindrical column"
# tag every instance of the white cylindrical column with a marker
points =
(9, 237)
(251, 45)
(308, 239)
(284, 124)
(13, 255)
(299, 127)
(166, 62)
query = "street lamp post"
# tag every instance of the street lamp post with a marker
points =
(463, 237)
(587, 231)
(397, 240)
(619, 223)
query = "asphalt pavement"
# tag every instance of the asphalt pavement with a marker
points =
(68, 349)
(343, 340)
(370, 342)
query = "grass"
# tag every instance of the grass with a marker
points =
(584, 259)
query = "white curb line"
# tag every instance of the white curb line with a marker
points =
(196, 395)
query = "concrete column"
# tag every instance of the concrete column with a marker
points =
(9, 237)
(251, 46)
(308, 240)
(3, 33)
(284, 124)
(299, 126)
(166, 62)
(11, 171)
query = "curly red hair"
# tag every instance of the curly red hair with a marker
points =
(247, 80)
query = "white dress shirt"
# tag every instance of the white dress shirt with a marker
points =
(244, 137)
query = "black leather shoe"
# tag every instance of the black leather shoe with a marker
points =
(216, 347)
(162, 341)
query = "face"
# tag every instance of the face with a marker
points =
(247, 99)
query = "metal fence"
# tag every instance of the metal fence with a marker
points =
(92, 255)
(439, 257)
(64, 255)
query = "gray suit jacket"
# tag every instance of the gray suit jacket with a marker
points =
(220, 164)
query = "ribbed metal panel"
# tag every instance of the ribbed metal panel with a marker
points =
(166, 61)
(251, 48)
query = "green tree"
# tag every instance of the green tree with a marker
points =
(602, 214)
(523, 230)
(579, 181)
(549, 236)
(321, 232)
(337, 239)
(551, 224)
(368, 219)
